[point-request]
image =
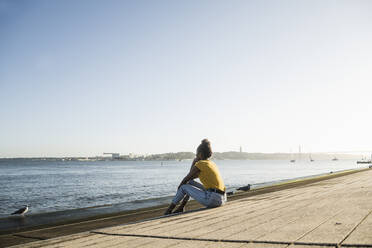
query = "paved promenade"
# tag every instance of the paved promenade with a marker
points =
(333, 213)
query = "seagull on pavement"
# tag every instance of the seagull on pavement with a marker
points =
(21, 211)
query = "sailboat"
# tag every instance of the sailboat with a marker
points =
(292, 159)
(363, 161)
(311, 159)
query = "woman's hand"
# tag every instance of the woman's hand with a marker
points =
(194, 162)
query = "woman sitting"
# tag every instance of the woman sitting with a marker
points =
(211, 193)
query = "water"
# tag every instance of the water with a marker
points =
(49, 186)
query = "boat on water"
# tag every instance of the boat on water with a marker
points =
(311, 159)
(334, 159)
(292, 156)
(364, 161)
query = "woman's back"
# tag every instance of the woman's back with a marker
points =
(209, 175)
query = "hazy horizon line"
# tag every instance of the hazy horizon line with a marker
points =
(149, 154)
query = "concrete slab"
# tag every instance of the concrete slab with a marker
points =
(309, 246)
(54, 241)
(268, 222)
(15, 240)
(77, 242)
(336, 228)
(362, 233)
(188, 244)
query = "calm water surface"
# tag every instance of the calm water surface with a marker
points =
(52, 186)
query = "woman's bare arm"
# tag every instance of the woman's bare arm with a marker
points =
(194, 162)
(194, 173)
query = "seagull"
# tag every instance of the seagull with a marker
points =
(21, 211)
(245, 188)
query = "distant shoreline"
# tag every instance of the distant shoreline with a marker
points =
(180, 156)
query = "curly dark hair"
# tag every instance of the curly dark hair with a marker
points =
(205, 149)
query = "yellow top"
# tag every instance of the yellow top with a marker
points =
(209, 175)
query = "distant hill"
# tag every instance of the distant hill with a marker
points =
(243, 156)
(280, 156)
(163, 156)
(216, 155)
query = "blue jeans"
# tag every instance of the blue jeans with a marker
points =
(196, 191)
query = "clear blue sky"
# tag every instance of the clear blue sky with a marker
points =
(79, 78)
